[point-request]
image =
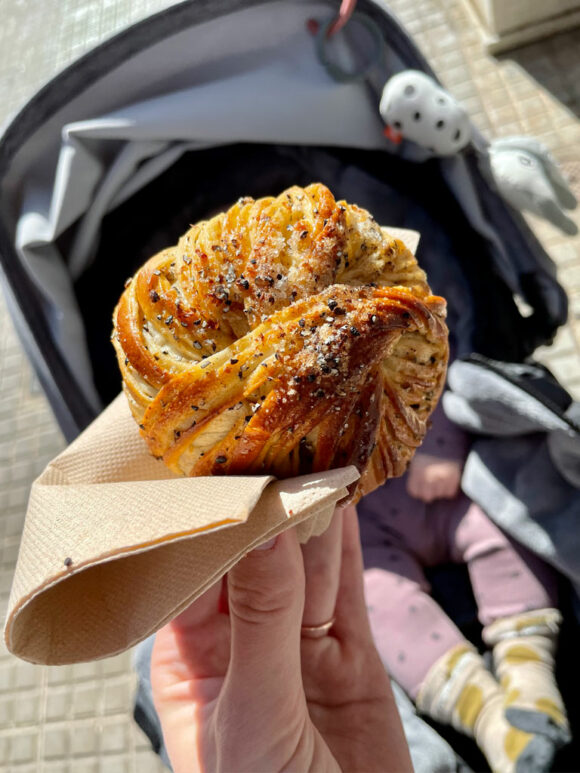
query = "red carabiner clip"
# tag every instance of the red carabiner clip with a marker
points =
(346, 11)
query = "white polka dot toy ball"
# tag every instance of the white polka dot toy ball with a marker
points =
(414, 107)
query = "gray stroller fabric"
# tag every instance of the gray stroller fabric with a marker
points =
(524, 466)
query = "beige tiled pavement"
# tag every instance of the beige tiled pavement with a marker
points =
(78, 719)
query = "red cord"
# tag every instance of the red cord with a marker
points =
(346, 10)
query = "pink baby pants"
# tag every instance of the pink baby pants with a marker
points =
(400, 536)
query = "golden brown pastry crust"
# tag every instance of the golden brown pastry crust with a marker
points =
(286, 335)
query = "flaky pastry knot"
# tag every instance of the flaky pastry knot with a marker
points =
(287, 335)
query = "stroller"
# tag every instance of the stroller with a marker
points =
(177, 117)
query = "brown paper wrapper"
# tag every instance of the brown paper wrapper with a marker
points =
(115, 545)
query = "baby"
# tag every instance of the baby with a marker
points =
(516, 717)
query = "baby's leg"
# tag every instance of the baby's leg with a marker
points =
(506, 578)
(516, 595)
(410, 629)
(428, 656)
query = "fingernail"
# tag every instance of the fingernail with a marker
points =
(267, 545)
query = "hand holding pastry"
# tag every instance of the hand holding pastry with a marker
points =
(243, 681)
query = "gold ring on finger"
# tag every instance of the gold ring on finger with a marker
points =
(316, 631)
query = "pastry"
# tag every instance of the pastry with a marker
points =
(287, 335)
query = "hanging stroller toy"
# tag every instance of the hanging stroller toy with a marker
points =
(413, 106)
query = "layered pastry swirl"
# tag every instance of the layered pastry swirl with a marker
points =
(287, 335)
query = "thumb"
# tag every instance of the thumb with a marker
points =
(266, 601)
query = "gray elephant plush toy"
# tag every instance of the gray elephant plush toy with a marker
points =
(527, 176)
(415, 107)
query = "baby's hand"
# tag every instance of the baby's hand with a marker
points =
(431, 478)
